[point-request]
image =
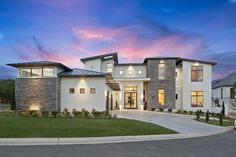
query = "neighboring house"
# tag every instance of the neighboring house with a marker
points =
(105, 84)
(223, 92)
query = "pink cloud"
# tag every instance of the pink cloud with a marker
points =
(133, 46)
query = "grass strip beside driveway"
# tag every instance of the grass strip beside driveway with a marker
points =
(23, 127)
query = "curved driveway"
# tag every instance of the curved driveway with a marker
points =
(183, 124)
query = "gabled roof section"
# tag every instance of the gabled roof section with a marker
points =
(102, 57)
(38, 64)
(81, 73)
(227, 81)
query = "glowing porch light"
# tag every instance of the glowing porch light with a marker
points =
(196, 64)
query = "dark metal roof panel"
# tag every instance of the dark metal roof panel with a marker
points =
(103, 57)
(38, 63)
(81, 73)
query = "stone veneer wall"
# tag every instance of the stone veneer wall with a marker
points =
(42, 92)
(168, 84)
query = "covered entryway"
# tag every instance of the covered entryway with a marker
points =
(130, 100)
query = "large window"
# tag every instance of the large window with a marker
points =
(37, 72)
(197, 73)
(92, 90)
(25, 72)
(82, 90)
(161, 68)
(109, 67)
(231, 93)
(197, 98)
(161, 97)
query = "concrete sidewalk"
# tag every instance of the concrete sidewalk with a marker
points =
(100, 140)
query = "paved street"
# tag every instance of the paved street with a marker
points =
(184, 124)
(222, 145)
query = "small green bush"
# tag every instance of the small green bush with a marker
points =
(35, 114)
(221, 119)
(170, 110)
(207, 116)
(178, 111)
(54, 113)
(190, 112)
(77, 114)
(185, 112)
(66, 113)
(84, 113)
(198, 114)
(114, 116)
(32, 111)
(153, 109)
(161, 109)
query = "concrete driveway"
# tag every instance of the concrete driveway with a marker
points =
(183, 124)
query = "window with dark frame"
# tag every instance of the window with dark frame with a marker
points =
(161, 69)
(231, 93)
(197, 99)
(109, 67)
(82, 90)
(197, 73)
(71, 90)
(92, 90)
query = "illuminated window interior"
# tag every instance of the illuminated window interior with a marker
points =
(161, 97)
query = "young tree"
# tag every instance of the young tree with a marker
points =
(223, 109)
(207, 116)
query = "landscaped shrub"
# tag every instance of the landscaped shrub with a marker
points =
(54, 113)
(185, 112)
(207, 116)
(84, 113)
(66, 113)
(213, 114)
(178, 111)
(32, 111)
(190, 112)
(35, 114)
(153, 109)
(223, 109)
(170, 110)
(98, 114)
(45, 113)
(198, 114)
(161, 109)
(221, 119)
(77, 113)
(114, 116)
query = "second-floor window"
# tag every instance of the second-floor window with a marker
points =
(109, 67)
(161, 68)
(37, 72)
(197, 73)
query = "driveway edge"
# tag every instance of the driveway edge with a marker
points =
(101, 140)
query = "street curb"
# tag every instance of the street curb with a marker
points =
(101, 140)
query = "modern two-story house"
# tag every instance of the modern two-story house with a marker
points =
(105, 84)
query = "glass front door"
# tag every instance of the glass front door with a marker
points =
(130, 100)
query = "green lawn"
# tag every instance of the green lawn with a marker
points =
(16, 126)
(216, 122)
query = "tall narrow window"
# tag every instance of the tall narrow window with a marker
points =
(221, 93)
(231, 93)
(161, 97)
(109, 67)
(197, 98)
(161, 68)
(197, 73)
(25, 72)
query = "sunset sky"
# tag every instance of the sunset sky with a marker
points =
(67, 30)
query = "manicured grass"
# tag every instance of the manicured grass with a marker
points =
(216, 122)
(16, 126)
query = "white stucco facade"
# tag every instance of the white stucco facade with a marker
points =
(188, 86)
(87, 100)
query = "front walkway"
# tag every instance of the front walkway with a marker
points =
(183, 124)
